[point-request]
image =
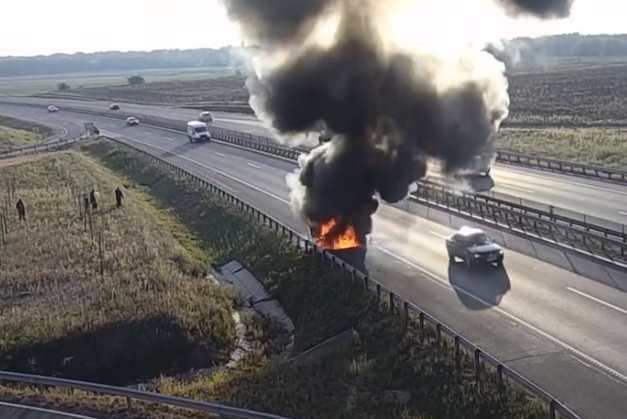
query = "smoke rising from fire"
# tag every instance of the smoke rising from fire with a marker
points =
(391, 104)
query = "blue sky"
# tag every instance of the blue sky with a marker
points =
(33, 27)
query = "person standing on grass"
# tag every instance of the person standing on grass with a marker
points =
(85, 203)
(119, 196)
(93, 200)
(21, 210)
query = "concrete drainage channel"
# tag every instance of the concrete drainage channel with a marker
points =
(256, 299)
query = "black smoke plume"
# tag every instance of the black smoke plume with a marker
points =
(391, 109)
(554, 9)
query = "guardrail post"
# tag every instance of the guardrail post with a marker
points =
(456, 353)
(129, 403)
(405, 315)
(552, 409)
(499, 377)
(477, 362)
(391, 297)
(378, 290)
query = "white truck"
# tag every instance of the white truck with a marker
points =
(198, 132)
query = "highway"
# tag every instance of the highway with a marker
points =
(597, 199)
(558, 329)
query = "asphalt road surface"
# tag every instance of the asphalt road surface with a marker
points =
(563, 331)
(600, 200)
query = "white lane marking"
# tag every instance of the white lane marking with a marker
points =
(147, 133)
(623, 213)
(218, 154)
(168, 139)
(428, 275)
(597, 300)
(256, 166)
(441, 236)
(442, 282)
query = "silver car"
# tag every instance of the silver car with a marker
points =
(474, 247)
(205, 117)
(131, 121)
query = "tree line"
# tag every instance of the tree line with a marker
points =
(527, 49)
(120, 61)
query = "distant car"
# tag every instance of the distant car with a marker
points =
(53, 109)
(474, 247)
(114, 107)
(205, 117)
(132, 121)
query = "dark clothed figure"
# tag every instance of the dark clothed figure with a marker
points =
(85, 203)
(119, 196)
(21, 210)
(93, 200)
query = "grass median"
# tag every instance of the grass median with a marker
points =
(603, 147)
(393, 370)
(107, 295)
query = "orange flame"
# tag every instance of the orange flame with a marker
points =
(346, 240)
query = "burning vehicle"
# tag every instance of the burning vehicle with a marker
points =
(345, 246)
(390, 104)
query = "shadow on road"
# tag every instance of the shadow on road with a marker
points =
(479, 288)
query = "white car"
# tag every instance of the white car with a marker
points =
(205, 117)
(132, 121)
(53, 109)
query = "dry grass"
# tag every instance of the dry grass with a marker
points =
(356, 384)
(15, 132)
(77, 81)
(570, 94)
(109, 296)
(595, 146)
(215, 89)
(571, 97)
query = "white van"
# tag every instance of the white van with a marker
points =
(198, 132)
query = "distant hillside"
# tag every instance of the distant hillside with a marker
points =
(523, 50)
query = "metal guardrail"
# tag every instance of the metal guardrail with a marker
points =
(51, 139)
(502, 156)
(603, 248)
(461, 345)
(37, 148)
(223, 411)
(562, 166)
(602, 243)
